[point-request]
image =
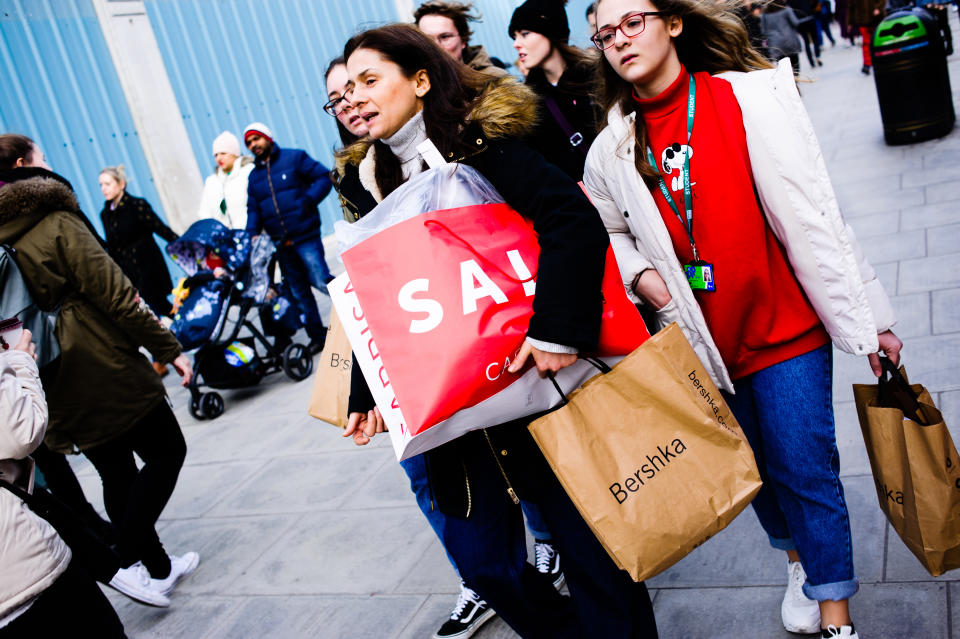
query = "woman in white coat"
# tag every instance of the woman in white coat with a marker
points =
(723, 219)
(43, 591)
(224, 195)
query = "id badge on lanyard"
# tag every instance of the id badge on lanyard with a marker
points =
(699, 273)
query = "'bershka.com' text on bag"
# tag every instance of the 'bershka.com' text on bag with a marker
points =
(651, 455)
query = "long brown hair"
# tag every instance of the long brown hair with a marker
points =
(453, 88)
(713, 40)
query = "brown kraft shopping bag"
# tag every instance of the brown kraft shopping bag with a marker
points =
(651, 455)
(331, 385)
(915, 467)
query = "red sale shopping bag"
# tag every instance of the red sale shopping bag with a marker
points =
(436, 307)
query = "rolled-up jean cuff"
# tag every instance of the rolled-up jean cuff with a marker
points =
(782, 544)
(836, 591)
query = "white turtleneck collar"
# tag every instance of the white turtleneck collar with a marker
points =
(404, 143)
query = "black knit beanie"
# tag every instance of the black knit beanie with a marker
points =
(546, 17)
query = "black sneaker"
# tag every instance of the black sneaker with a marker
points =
(316, 344)
(470, 613)
(548, 561)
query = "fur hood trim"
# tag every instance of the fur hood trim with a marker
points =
(35, 197)
(505, 109)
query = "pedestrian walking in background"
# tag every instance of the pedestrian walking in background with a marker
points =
(448, 24)
(822, 17)
(562, 77)
(689, 170)
(224, 196)
(864, 16)
(19, 151)
(779, 24)
(129, 224)
(105, 400)
(44, 592)
(283, 192)
(404, 87)
(840, 14)
(807, 28)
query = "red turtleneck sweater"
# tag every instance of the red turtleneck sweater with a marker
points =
(758, 315)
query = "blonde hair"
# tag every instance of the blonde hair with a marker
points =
(116, 172)
(713, 39)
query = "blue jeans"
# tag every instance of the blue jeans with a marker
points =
(786, 412)
(416, 469)
(303, 265)
(489, 548)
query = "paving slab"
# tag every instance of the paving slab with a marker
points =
(944, 239)
(301, 484)
(899, 611)
(893, 247)
(345, 552)
(946, 311)
(227, 547)
(873, 224)
(928, 274)
(295, 617)
(913, 314)
(709, 613)
(930, 215)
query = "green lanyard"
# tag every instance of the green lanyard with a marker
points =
(687, 192)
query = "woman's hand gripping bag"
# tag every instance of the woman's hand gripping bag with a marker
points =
(436, 302)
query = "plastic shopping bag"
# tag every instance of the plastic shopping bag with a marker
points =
(436, 303)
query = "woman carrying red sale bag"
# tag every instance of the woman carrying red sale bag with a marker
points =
(408, 91)
(722, 217)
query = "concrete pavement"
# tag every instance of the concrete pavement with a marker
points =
(301, 534)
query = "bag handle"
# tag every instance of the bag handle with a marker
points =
(478, 255)
(893, 391)
(574, 137)
(599, 364)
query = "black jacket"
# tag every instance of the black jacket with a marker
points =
(567, 305)
(129, 231)
(572, 97)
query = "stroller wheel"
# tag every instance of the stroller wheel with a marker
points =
(196, 407)
(297, 362)
(212, 405)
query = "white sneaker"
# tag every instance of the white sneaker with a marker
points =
(135, 582)
(846, 632)
(180, 567)
(799, 614)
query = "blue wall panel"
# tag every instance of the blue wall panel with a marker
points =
(232, 62)
(60, 88)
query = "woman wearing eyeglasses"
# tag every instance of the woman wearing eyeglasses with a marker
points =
(723, 218)
(409, 91)
(562, 77)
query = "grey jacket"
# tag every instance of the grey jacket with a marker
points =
(780, 31)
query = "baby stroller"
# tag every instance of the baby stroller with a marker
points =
(227, 270)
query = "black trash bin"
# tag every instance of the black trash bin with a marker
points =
(913, 84)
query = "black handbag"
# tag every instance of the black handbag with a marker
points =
(100, 560)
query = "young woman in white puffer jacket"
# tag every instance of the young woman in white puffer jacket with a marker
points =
(712, 186)
(43, 591)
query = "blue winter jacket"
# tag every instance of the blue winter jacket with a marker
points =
(282, 196)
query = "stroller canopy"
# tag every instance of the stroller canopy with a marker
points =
(210, 236)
